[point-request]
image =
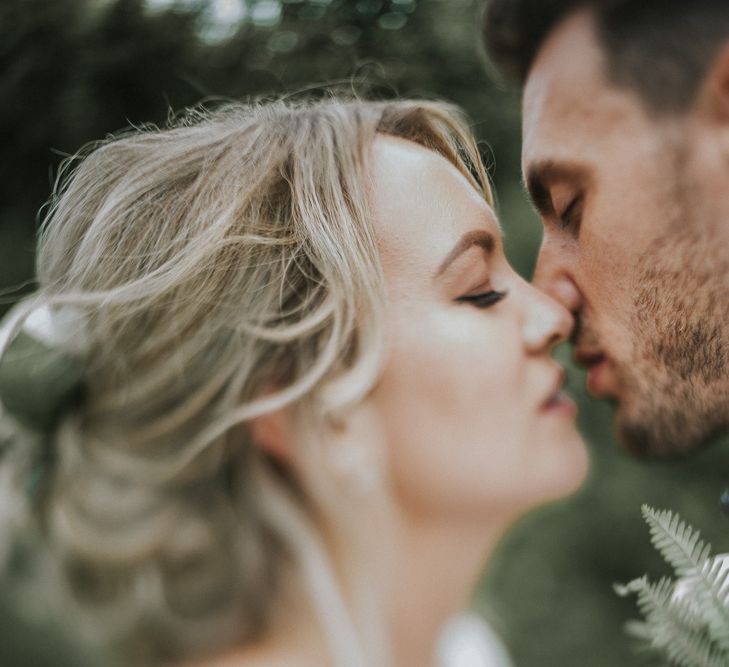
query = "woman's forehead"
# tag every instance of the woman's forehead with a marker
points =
(417, 191)
(422, 204)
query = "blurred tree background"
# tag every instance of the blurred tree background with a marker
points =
(72, 71)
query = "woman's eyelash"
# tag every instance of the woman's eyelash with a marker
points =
(566, 219)
(484, 299)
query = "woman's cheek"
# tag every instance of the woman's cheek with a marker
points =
(446, 411)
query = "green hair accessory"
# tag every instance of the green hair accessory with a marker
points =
(39, 378)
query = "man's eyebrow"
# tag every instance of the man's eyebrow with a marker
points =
(542, 173)
(477, 237)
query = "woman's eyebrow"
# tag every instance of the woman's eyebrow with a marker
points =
(477, 237)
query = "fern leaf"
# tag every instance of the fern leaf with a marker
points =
(710, 596)
(632, 587)
(679, 544)
(674, 627)
(688, 623)
(682, 548)
(638, 630)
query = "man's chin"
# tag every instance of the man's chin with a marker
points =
(639, 442)
(664, 437)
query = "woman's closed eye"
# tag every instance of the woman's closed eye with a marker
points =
(482, 299)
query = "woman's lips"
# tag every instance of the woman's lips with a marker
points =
(561, 404)
(558, 402)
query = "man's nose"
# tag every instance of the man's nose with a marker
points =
(553, 275)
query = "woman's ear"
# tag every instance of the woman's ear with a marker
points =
(272, 434)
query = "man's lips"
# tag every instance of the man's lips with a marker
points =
(601, 379)
(587, 356)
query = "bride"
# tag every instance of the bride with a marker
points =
(279, 392)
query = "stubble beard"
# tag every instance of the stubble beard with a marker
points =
(675, 394)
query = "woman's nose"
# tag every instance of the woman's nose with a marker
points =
(546, 322)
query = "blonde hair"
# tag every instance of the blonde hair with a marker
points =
(224, 267)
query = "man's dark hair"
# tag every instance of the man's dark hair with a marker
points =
(660, 48)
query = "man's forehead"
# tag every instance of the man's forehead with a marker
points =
(572, 111)
(567, 73)
(572, 47)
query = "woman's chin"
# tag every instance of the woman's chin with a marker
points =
(566, 472)
(576, 469)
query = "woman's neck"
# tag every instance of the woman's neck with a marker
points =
(431, 573)
(437, 568)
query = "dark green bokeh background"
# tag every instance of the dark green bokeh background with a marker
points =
(72, 71)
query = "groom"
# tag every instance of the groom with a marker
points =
(626, 158)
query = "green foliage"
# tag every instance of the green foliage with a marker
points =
(690, 627)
